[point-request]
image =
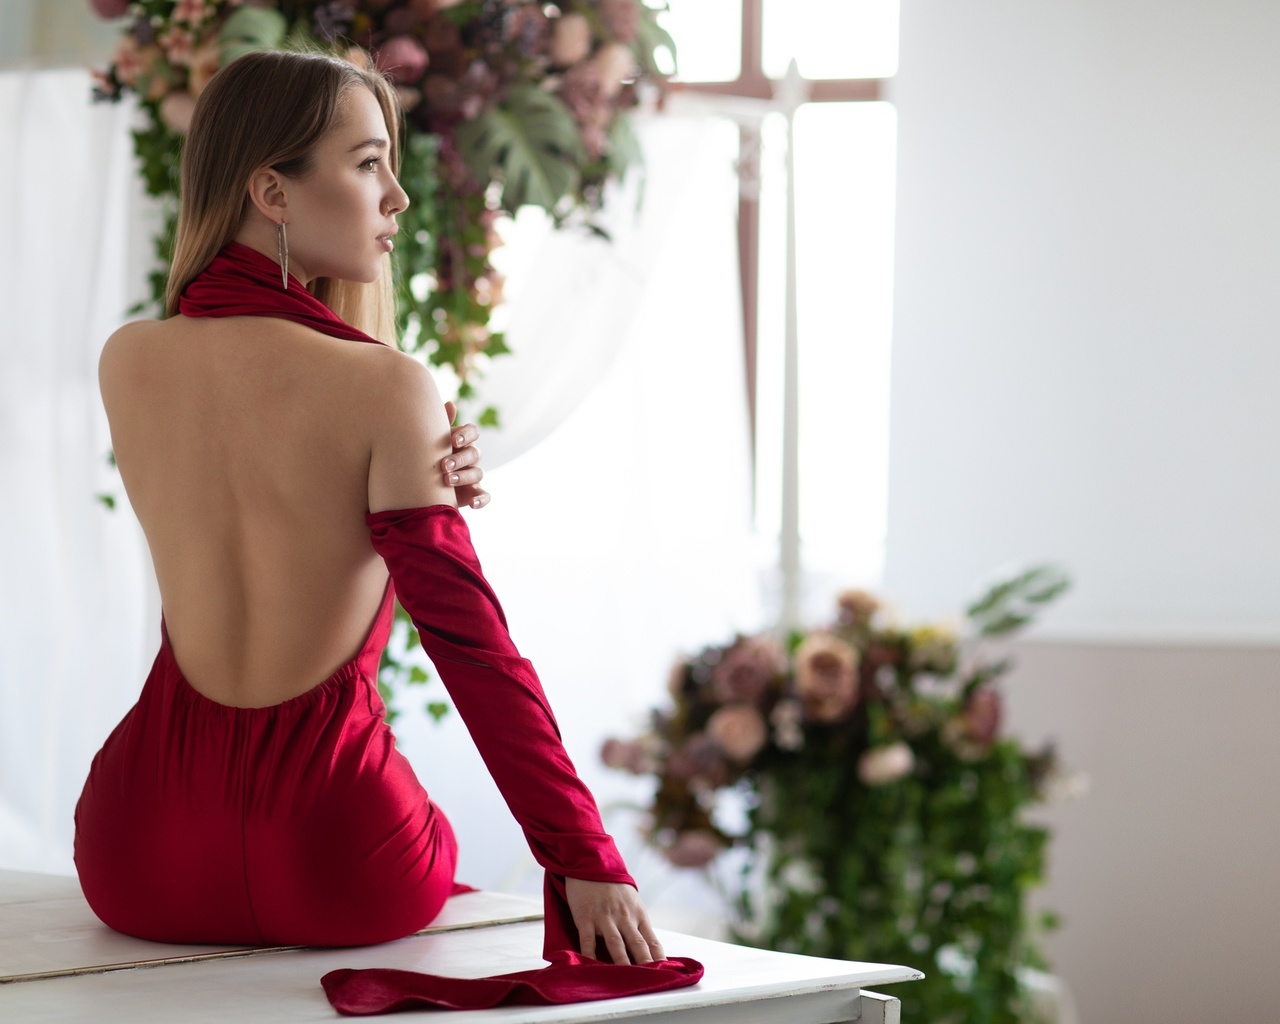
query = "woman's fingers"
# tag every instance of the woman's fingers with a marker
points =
(614, 944)
(655, 947)
(587, 940)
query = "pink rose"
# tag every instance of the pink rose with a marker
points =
(699, 762)
(570, 39)
(694, 849)
(826, 677)
(857, 607)
(176, 110)
(747, 669)
(982, 714)
(621, 19)
(628, 755)
(614, 64)
(738, 730)
(403, 58)
(882, 765)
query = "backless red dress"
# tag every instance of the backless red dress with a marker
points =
(300, 823)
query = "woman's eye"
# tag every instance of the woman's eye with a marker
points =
(371, 163)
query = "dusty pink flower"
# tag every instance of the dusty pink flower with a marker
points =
(178, 44)
(109, 8)
(570, 39)
(982, 714)
(826, 677)
(203, 66)
(614, 64)
(699, 762)
(882, 765)
(193, 12)
(857, 607)
(621, 19)
(128, 61)
(747, 669)
(738, 730)
(628, 755)
(693, 849)
(176, 110)
(403, 58)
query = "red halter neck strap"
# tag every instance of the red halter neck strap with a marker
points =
(242, 282)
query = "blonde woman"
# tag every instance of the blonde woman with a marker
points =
(282, 462)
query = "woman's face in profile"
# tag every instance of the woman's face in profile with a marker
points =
(339, 216)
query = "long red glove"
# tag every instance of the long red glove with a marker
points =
(437, 578)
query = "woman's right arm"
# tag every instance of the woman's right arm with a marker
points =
(410, 436)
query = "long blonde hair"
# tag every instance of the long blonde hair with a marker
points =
(269, 109)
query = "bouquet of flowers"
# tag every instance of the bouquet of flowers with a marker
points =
(882, 801)
(507, 103)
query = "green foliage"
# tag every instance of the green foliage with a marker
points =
(884, 809)
(251, 28)
(529, 143)
(402, 668)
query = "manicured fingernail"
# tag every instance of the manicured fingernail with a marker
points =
(476, 502)
(453, 478)
(449, 463)
(458, 439)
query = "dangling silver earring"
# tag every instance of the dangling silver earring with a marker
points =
(282, 250)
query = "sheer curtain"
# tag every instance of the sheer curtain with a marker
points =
(76, 596)
(618, 536)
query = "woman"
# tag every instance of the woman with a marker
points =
(282, 469)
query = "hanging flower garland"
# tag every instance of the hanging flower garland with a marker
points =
(507, 103)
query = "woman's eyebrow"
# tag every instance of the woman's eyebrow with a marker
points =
(375, 143)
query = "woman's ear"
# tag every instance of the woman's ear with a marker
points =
(267, 192)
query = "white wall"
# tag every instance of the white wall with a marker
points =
(1085, 369)
(1086, 315)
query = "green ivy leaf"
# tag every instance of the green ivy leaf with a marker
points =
(489, 417)
(437, 709)
(108, 500)
(417, 675)
(531, 142)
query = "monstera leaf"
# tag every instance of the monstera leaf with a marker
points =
(530, 143)
(251, 28)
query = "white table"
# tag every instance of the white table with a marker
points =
(58, 963)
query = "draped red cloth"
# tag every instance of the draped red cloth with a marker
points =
(438, 579)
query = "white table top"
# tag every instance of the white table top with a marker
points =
(741, 985)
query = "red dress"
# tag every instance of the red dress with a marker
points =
(300, 823)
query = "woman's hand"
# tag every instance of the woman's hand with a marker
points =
(612, 911)
(461, 470)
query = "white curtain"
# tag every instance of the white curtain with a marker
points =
(570, 295)
(75, 586)
(628, 371)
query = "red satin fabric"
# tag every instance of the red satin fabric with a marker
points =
(242, 282)
(298, 823)
(571, 978)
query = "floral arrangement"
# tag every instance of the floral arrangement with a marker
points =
(878, 802)
(507, 103)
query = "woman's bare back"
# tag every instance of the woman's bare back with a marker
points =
(251, 448)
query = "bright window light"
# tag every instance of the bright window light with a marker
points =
(831, 38)
(708, 35)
